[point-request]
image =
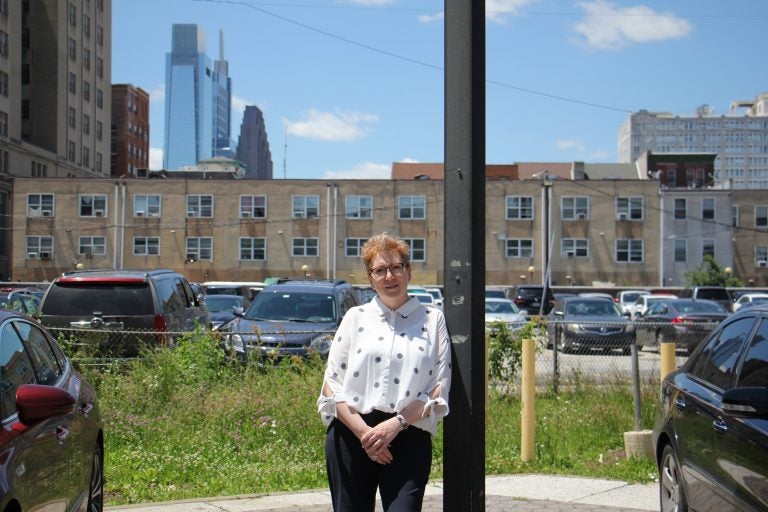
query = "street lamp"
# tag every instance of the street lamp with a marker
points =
(305, 269)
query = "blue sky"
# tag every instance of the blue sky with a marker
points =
(349, 86)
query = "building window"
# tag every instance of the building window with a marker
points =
(411, 207)
(735, 217)
(3, 124)
(100, 36)
(4, 84)
(86, 91)
(305, 207)
(358, 207)
(4, 7)
(92, 246)
(200, 206)
(305, 246)
(72, 14)
(146, 205)
(681, 251)
(574, 248)
(72, 83)
(253, 207)
(199, 248)
(93, 205)
(519, 208)
(3, 43)
(99, 67)
(72, 117)
(573, 208)
(40, 205)
(39, 247)
(99, 130)
(629, 208)
(71, 151)
(707, 248)
(708, 208)
(680, 209)
(99, 98)
(519, 248)
(418, 248)
(761, 256)
(86, 26)
(353, 247)
(629, 251)
(98, 162)
(761, 216)
(86, 58)
(72, 49)
(86, 124)
(146, 246)
(253, 249)
(86, 154)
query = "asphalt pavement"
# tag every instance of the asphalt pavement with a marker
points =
(502, 493)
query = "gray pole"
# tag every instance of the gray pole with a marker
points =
(464, 264)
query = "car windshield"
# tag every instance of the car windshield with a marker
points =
(591, 308)
(292, 306)
(500, 307)
(713, 294)
(630, 297)
(217, 303)
(499, 294)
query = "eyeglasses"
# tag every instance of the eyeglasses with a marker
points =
(381, 272)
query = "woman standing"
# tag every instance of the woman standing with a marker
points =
(385, 389)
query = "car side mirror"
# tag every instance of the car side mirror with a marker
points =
(746, 402)
(238, 311)
(36, 403)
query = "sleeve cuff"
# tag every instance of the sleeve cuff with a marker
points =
(326, 406)
(437, 408)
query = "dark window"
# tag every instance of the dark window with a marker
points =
(754, 370)
(717, 362)
(108, 298)
(15, 369)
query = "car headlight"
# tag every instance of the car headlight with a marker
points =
(235, 342)
(573, 328)
(321, 344)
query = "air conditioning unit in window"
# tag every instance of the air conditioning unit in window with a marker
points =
(581, 215)
(99, 213)
(299, 215)
(191, 213)
(45, 255)
(246, 215)
(570, 254)
(623, 216)
(762, 263)
(139, 213)
(31, 255)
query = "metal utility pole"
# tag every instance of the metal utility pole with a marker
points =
(464, 264)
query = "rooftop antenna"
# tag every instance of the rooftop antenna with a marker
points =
(285, 155)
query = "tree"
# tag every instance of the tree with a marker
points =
(711, 273)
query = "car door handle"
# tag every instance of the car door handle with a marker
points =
(680, 404)
(62, 434)
(720, 426)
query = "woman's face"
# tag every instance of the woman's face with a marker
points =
(389, 277)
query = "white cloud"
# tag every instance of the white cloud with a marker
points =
(156, 159)
(431, 18)
(338, 127)
(570, 145)
(364, 171)
(157, 93)
(407, 160)
(495, 10)
(606, 26)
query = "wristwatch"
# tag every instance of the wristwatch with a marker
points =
(403, 421)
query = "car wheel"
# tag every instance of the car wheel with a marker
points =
(671, 489)
(96, 487)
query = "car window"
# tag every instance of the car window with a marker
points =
(41, 353)
(15, 369)
(169, 296)
(110, 299)
(754, 369)
(713, 294)
(717, 362)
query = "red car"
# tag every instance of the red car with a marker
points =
(51, 442)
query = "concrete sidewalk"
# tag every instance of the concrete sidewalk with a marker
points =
(503, 493)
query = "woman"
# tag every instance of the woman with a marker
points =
(385, 389)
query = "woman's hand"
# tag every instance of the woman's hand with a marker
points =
(376, 441)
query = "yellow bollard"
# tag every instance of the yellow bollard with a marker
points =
(527, 402)
(667, 355)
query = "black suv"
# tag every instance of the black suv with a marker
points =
(291, 317)
(123, 300)
(528, 299)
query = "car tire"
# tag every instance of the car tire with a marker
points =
(96, 486)
(672, 496)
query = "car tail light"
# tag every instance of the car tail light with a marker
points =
(679, 320)
(161, 326)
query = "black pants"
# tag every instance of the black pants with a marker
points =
(354, 477)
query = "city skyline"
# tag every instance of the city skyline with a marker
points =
(348, 88)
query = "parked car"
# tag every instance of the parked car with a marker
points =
(437, 294)
(710, 435)
(425, 298)
(718, 294)
(503, 310)
(52, 447)
(221, 308)
(22, 301)
(627, 298)
(365, 294)
(683, 321)
(495, 292)
(532, 299)
(290, 318)
(643, 302)
(597, 295)
(146, 301)
(581, 324)
(749, 299)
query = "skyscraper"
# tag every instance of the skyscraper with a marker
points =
(253, 146)
(223, 145)
(197, 100)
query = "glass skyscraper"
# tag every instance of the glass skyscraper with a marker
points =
(197, 100)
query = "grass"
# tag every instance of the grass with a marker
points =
(183, 423)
